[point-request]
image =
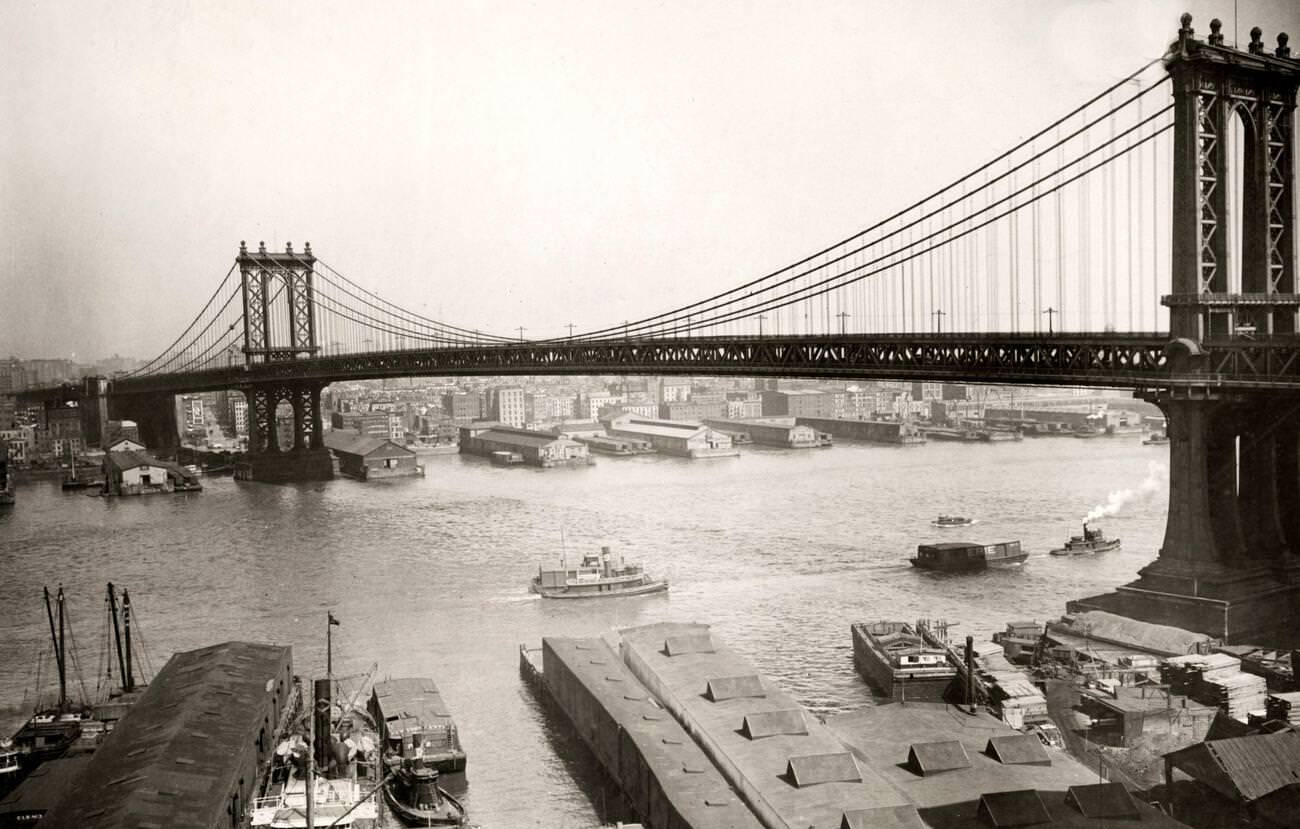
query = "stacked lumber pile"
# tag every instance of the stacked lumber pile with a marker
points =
(1236, 694)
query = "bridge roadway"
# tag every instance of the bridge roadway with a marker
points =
(1144, 360)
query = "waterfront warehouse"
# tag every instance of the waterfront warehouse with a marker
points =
(965, 770)
(668, 437)
(787, 766)
(779, 432)
(188, 753)
(536, 448)
(367, 458)
(662, 772)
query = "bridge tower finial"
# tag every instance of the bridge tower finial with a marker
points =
(1216, 33)
(1283, 51)
(1256, 40)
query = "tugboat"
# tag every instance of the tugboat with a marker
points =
(963, 556)
(1156, 439)
(595, 578)
(952, 521)
(1092, 541)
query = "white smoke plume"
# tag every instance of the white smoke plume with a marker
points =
(1157, 474)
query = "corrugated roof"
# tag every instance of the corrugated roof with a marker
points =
(171, 760)
(1243, 768)
(1160, 639)
(131, 459)
(520, 437)
(355, 443)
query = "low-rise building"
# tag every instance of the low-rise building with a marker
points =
(685, 440)
(534, 448)
(191, 751)
(367, 458)
(774, 432)
(685, 410)
(135, 473)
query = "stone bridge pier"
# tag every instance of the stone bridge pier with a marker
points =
(154, 416)
(286, 438)
(1229, 565)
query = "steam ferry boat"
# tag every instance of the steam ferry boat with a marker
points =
(596, 577)
(1092, 541)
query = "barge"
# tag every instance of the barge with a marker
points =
(415, 725)
(896, 660)
(965, 556)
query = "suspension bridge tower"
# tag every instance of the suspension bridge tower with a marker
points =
(1230, 562)
(285, 432)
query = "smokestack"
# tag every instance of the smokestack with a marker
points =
(970, 673)
(322, 725)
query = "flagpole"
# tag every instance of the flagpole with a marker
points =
(329, 648)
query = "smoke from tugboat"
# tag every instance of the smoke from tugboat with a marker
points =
(1157, 476)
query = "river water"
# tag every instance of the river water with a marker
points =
(779, 550)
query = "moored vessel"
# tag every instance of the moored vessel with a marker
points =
(964, 556)
(595, 577)
(1156, 439)
(420, 742)
(897, 661)
(1092, 541)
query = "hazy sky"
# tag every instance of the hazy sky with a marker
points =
(503, 164)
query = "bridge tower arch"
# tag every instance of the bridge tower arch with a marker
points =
(279, 301)
(1228, 565)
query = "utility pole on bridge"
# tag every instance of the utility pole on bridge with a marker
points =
(570, 326)
(1050, 312)
(938, 315)
(521, 331)
(760, 324)
(843, 315)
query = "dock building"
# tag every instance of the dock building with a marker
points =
(189, 751)
(366, 457)
(780, 432)
(535, 448)
(971, 771)
(684, 440)
(664, 775)
(135, 473)
(872, 431)
(791, 771)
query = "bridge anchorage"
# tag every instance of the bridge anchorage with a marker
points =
(1230, 562)
(280, 327)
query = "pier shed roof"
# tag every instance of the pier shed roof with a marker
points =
(881, 737)
(796, 778)
(177, 757)
(410, 704)
(355, 443)
(691, 782)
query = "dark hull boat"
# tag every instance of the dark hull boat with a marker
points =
(412, 792)
(596, 577)
(1092, 541)
(964, 557)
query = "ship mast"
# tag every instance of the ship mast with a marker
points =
(57, 637)
(117, 634)
(128, 683)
